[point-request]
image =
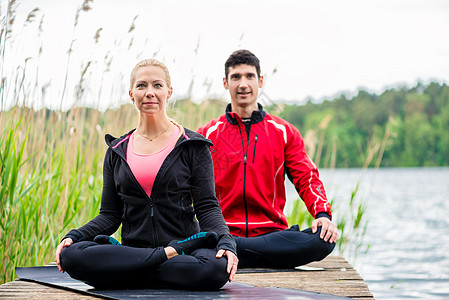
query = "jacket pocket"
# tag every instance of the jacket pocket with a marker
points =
(255, 144)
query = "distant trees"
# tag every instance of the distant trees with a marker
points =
(399, 127)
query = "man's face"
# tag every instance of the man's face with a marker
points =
(243, 85)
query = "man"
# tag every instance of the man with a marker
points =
(252, 152)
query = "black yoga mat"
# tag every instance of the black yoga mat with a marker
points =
(50, 275)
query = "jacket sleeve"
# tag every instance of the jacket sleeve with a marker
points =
(109, 219)
(207, 209)
(304, 174)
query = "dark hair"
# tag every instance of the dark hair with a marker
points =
(240, 57)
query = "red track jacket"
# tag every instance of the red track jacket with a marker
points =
(249, 172)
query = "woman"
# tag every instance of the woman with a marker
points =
(156, 179)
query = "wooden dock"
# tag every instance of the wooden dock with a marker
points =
(338, 278)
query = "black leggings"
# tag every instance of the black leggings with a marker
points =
(123, 267)
(282, 249)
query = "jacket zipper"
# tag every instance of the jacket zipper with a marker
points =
(155, 184)
(151, 200)
(245, 155)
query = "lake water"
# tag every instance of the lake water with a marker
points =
(407, 231)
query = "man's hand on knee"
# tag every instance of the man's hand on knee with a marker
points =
(329, 231)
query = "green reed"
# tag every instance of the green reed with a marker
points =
(50, 182)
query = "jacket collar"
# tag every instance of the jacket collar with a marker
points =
(256, 117)
(120, 144)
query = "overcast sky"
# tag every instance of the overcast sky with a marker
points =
(313, 49)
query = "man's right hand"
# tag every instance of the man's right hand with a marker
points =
(329, 231)
(65, 243)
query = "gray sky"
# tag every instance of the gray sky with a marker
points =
(307, 49)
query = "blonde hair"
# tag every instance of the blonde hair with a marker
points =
(146, 63)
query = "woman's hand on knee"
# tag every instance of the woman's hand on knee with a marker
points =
(233, 261)
(65, 243)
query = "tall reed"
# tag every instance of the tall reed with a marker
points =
(50, 183)
(51, 160)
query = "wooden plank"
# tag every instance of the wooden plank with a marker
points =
(20, 289)
(338, 278)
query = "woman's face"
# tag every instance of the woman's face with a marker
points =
(150, 91)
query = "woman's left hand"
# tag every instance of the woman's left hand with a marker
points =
(233, 261)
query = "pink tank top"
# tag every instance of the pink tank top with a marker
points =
(146, 166)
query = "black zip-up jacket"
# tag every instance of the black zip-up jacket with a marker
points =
(183, 188)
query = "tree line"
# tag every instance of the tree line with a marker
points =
(401, 127)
